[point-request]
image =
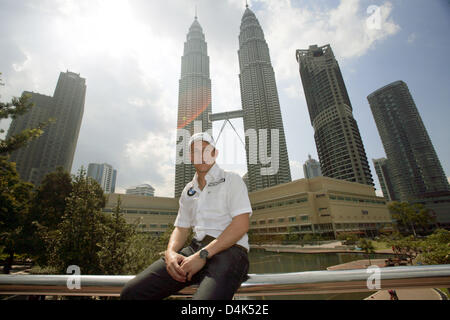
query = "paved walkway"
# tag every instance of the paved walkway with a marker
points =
(403, 294)
(407, 294)
(358, 264)
(328, 248)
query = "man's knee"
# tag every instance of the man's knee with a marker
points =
(127, 293)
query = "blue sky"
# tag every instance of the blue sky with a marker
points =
(130, 54)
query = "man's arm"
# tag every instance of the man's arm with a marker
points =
(236, 230)
(173, 258)
(177, 239)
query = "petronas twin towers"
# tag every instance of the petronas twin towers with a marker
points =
(260, 104)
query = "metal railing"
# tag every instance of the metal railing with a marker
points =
(296, 283)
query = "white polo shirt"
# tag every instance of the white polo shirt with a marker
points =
(211, 210)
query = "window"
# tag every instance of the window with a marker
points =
(292, 219)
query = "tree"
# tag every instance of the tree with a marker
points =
(410, 216)
(15, 202)
(49, 205)
(367, 247)
(115, 247)
(436, 248)
(82, 229)
(407, 246)
(292, 236)
(348, 238)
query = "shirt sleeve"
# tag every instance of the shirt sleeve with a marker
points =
(183, 219)
(238, 201)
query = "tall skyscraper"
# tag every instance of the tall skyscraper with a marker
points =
(104, 174)
(56, 147)
(260, 103)
(194, 97)
(311, 168)
(382, 169)
(338, 141)
(414, 165)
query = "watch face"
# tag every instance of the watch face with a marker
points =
(203, 254)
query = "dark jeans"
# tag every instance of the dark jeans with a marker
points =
(219, 279)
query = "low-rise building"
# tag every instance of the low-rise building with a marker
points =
(320, 205)
(142, 190)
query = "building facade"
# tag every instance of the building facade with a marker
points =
(56, 147)
(311, 168)
(149, 214)
(415, 169)
(142, 190)
(321, 206)
(194, 100)
(382, 169)
(316, 206)
(336, 133)
(260, 104)
(104, 174)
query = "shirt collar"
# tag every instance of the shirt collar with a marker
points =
(213, 174)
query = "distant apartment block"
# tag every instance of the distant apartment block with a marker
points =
(56, 146)
(338, 140)
(142, 190)
(382, 170)
(415, 170)
(311, 168)
(104, 174)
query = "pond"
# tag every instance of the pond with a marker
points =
(272, 262)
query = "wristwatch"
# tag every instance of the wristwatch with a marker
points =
(204, 254)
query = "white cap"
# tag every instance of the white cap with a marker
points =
(202, 136)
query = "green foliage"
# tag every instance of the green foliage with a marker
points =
(292, 236)
(49, 205)
(436, 248)
(348, 238)
(116, 244)
(82, 228)
(15, 202)
(367, 247)
(308, 237)
(411, 216)
(408, 247)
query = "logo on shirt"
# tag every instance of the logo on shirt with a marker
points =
(191, 192)
(215, 183)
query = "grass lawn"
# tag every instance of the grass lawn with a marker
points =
(379, 245)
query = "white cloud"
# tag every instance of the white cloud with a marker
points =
(296, 170)
(288, 28)
(18, 67)
(294, 91)
(130, 53)
(412, 38)
(153, 156)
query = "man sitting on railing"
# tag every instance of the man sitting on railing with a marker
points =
(216, 204)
